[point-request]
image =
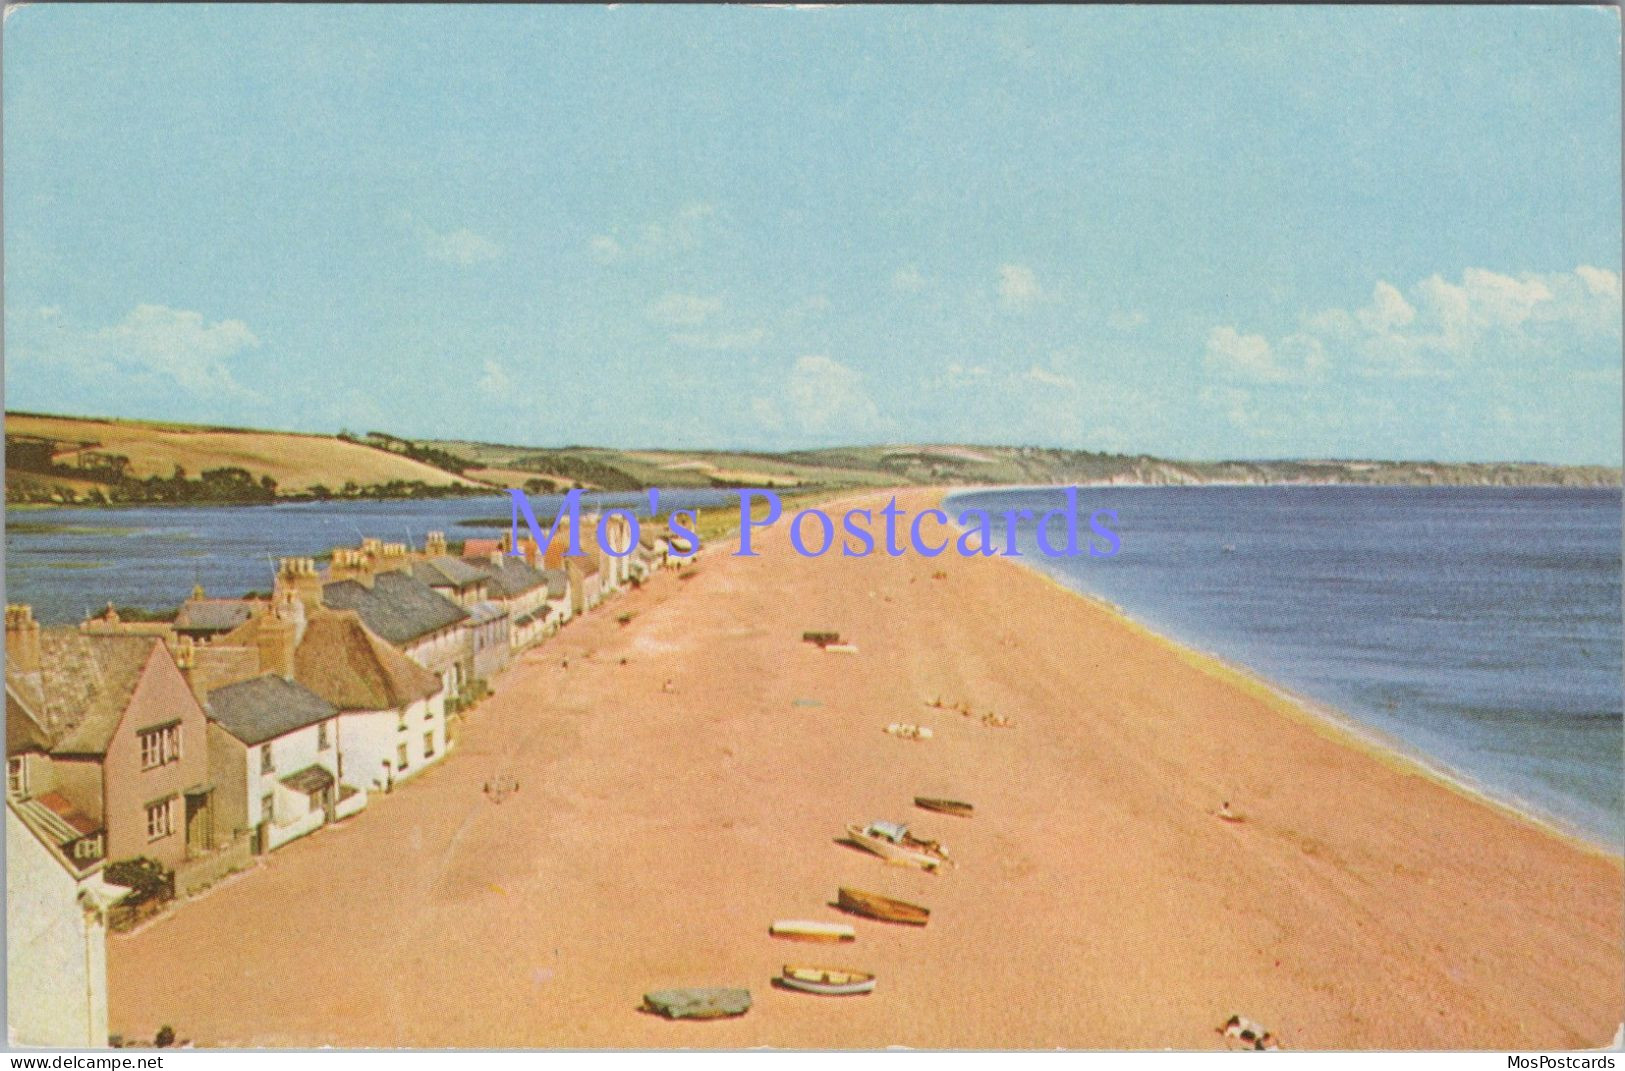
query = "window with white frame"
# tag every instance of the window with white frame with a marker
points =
(323, 741)
(161, 819)
(17, 778)
(160, 746)
(267, 763)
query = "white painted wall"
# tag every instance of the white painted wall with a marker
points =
(56, 950)
(369, 742)
(289, 754)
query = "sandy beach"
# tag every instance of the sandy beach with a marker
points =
(1097, 901)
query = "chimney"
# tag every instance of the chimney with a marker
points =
(22, 639)
(185, 653)
(298, 577)
(436, 545)
(351, 565)
(276, 638)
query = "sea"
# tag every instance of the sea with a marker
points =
(1476, 629)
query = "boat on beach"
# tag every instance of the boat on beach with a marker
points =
(827, 981)
(698, 1003)
(894, 844)
(881, 908)
(942, 806)
(807, 930)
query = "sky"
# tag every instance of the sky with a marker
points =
(1202, 233)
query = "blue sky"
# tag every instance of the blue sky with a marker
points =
(1206, 233)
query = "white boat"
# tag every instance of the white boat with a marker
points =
(807, 930)
(893, 844)
(827, 981)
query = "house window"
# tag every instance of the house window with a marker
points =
(267, 764)
(161, 819)
(322, 741)
(428, 745)
(400, 726)
(160, 746)
(17, 778)
(400, 757)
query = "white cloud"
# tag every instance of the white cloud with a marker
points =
(461, 246)
(1126, 321)
(495, 380)
(684, 310)
(826, 397)
(908, 280)
(177, 344)
(1599, 281)
(154, 347)
(721, 340)
(1253, 359)
(686, 229)
(1047, 378)
(1444, 327)
(1018, 286)
(680, 233)
(961, 375)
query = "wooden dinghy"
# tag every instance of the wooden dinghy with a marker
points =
(827, 981)
(882, 908)
(953, 807)
(698, 1003)
(899, 847)
(804, 930)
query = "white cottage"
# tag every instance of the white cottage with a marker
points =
(56, 938)
(274, 760)
(391, 711)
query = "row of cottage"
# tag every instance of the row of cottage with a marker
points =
(243, 724)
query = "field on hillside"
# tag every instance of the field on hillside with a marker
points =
(296, 462)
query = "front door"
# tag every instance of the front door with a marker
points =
(199, 824)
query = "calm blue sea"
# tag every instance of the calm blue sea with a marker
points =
(1476, 627)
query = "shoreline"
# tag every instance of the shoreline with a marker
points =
(1339, 724)
(1344, 728)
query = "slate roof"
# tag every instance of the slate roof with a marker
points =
(398, 607)
(483, 613)
(213, 615)
(84, 685)
(558, 583)
(350, 667)
(266, 707)
(446, 571)
(513, 577)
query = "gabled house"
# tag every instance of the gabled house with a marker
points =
(274, 760)
(104, 733)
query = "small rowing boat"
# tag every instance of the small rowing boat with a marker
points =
(953, 807)
(894, 844)
(804, 930)
(698, 1003)
(827, 981)
(881, 908)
